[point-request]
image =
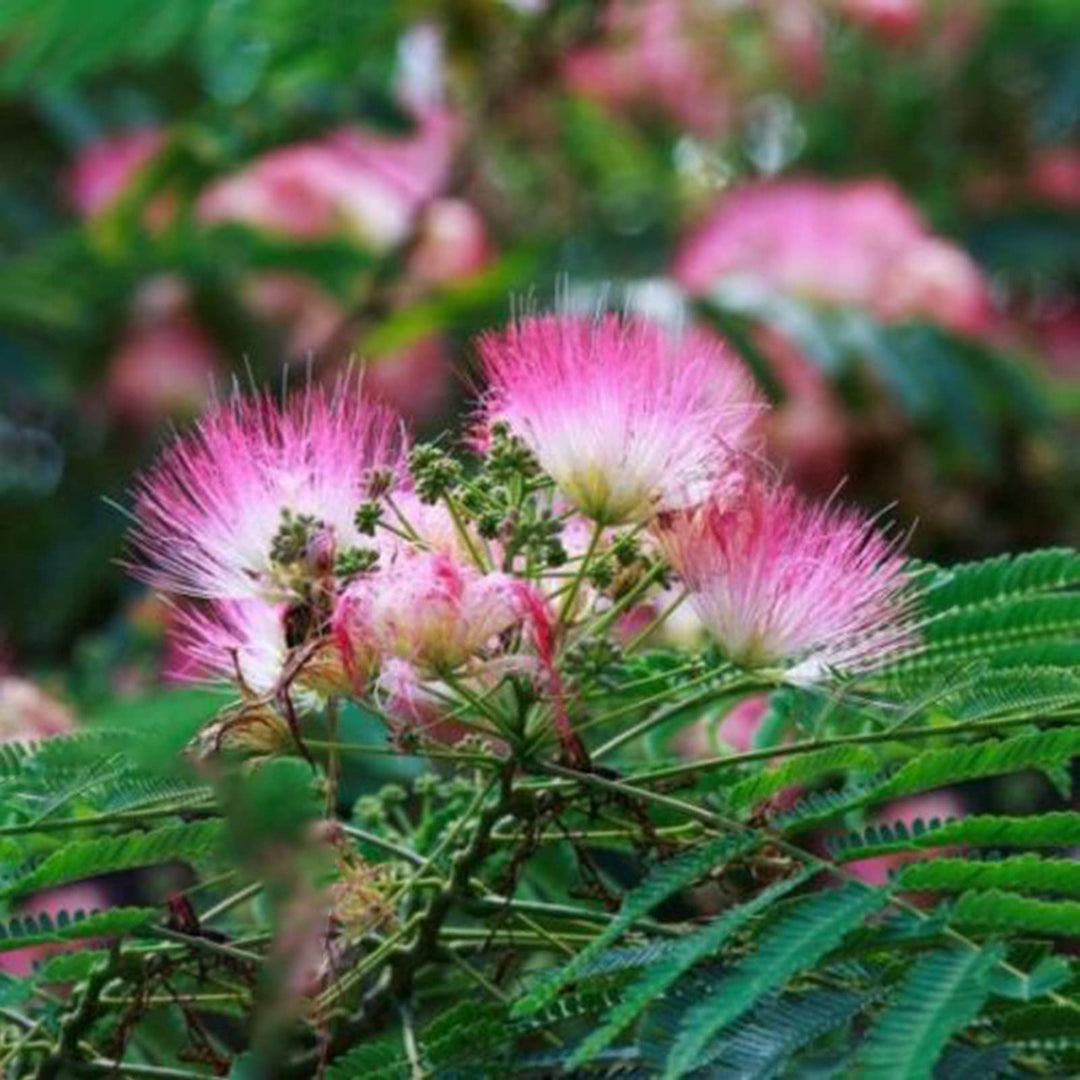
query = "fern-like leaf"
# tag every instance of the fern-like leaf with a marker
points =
(89, 858)
(997, 910)
(802, 770)
(659, 977)
(939, 996)
(667, 879)
(1057, 829)
(45, 930)
(1000, 578)
(1021, 873)
(812, 928)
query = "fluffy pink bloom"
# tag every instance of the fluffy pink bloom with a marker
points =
(857, 243)
(432, 610)
(208, 512)
(28, 713)
(229, 639)
(626, 419)
(779, 581)
(105, 168)
(350, 181)
(405, 696)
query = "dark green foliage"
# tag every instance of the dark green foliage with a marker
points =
(939, 996)
(44, 929)
(802, 936)
(89, 858)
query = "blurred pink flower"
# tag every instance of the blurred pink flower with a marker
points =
(652, 56)
(1054, 177)
(937, 804)
(28, 713)
(417, 380)
(893, 20)
(453, 243)
(741, 724)
(858, 244)
(165, 362)
(351, 182)
(104, 169)
(779, 581)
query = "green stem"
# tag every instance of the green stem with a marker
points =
(102, 1067)
(644, 634)
(463, 535)
(231, 902)
(575, 585)
(59, 824)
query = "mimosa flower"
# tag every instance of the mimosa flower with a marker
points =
(209, 513)
(627, 419)
(431, 610)
(781, 582)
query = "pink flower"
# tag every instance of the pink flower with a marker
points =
(208, 513)
(350, 181)
(1054, 177)
(27, 713)
(432, 610)
(892, 20)
(405, 696)
(241, 640)
(653, 56)
(848, 244)
(105, 168)
(626, 419)
(781, 582)
(166, 363)
(453, 243)
(417, 380)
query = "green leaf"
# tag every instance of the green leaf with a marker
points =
(802, 770)
(1022, 873)
(1002, 577)
(1042, 1025)
(939, 996)
(1057, 829)
(997, 910)
(660, 976)
(761, 1045)
(954, 764)
(89, 858)
(809, 930)
(1050, 973)
(70, 967)
(28, 930)
(665, 880)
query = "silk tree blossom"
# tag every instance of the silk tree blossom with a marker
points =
(781, 582)
(433, 611)
(208, 514)
(626, 418)
(230, 640)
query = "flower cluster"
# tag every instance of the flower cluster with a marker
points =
(313, 553)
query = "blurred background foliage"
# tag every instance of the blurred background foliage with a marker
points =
(875, 202)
